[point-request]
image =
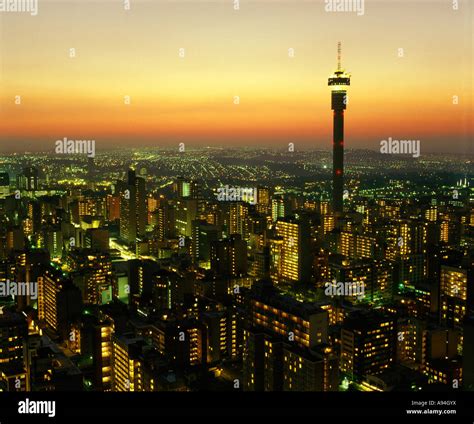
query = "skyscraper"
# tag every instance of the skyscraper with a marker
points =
(295, 260)
(338, 82)
(128, 212)
(189, 189)
(237, 219)
(133, 212)
(141, 213)
(186, 211)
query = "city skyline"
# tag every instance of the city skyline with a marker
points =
(213, 206)
(271, 55)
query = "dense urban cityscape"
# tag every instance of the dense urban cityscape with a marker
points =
(191, 205)
(222, 269)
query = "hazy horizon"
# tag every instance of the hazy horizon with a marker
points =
(283, 96)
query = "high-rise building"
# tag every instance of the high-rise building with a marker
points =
(165, 221)
(152, 206)
(128, 212)
(186, 212)
(138, 184)
(269, 364)
(310, 370)
(368, 344)
(28, 180)
(237, 219)
(259, 266)
(95, 340)
(453, 294)
(440, 343)
(263, 200)
(52, 240)
(93, 275)
(14, 372)
(376, 277)
(181, 341)
(282, 342)
(187, 188)
(141, 202)
(304, 324)
(223, 333)
(276, 249)
(113, 207)
(279, 208)
(59, 301)
(34, 216)
(133, 207)
(126, 363)
(203, 235)
(168, 289)
(295, 256)
(229, 256)
(338, 82)
(4, 185)
(357, 246)
(405, 237)
(15, 238)
(444, 371)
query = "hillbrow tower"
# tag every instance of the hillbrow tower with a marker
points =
(338, 82)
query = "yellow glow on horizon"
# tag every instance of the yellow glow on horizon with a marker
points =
(232, 53)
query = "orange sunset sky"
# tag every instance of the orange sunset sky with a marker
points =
(231, 53)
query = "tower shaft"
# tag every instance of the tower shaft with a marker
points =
(338, 82)
(338, 161)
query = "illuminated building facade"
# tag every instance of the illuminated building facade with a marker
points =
(368, 344)
(294, 258)
(59, 301)
(126, 364)
(14, 372)
(454, 288)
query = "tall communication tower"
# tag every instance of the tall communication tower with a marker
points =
(338, 82)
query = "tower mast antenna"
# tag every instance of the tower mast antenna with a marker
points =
(339, 56)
